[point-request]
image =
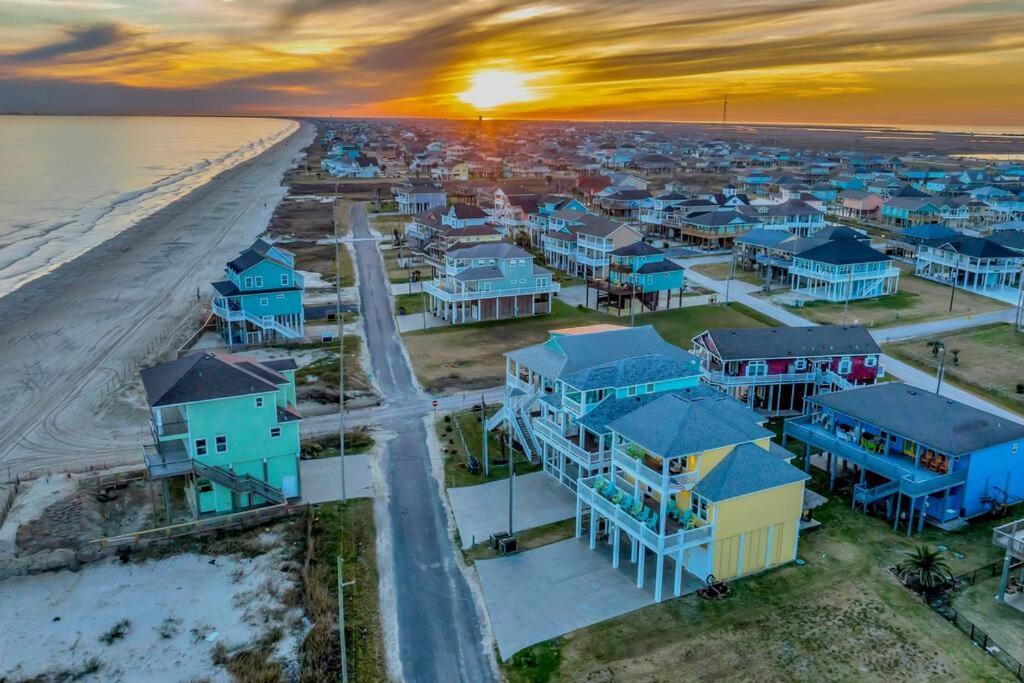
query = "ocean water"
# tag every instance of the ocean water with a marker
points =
(68, 183)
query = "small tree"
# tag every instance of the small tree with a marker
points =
(925, 570)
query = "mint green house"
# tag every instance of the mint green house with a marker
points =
(228, 424)
(261, 299)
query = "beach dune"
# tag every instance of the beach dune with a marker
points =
(65, 335)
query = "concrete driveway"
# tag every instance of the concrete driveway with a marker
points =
(482, 510)
(550, 591)
(321, 479)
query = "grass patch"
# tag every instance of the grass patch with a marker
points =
(842, 616)
(398, 274)
(917, 300)
(326, 446)
(990, 361)
(319, 380)
(465, 357)
(1001, 621)
(455, 456)
(253, 663)
(320, 258)
(116, 632)
(720, 271)
(363, 635)
(527, 540)
(407, 304)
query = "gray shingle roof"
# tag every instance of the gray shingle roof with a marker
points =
(565, 354)
(936, 421)
(747, 469)
(843, 252)
(763, 238)
(793, 342)
(628, 372)
(204, 376)
(479, 273)
(689, 421)
(489, 250)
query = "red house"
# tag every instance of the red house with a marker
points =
(773, 369)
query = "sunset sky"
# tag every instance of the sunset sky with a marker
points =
(934, 62)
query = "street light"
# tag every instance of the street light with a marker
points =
(942, 366)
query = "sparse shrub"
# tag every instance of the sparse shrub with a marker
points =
(116, 632)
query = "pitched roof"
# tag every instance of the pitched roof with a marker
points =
(688, 421)
(748, 468)
(793, 342)
(843, 252)
(638, 248)
(203, 376)
(923, 416)
(256, 252)
(928, 231)
(978, 247)
(763, 238)
(488, 250)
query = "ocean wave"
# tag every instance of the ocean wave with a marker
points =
(32, 250)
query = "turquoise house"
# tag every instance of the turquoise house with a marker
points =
(645, 269)
(227, 423)
(261, 299)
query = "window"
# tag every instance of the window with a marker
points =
(284, 279)
(275, 432)
(649, 389)
(200, 447)
(871, 361)
(699, 506)
(248, 283)
(222, 444)
(845, 365)
(800, 363)
(757, 368)
(205, 486)
(631, 391)
(259, 280)
(259, 401)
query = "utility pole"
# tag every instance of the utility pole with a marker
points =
(1020, 303)
(725, 108)
(341, 439)
(952, 283)
(942, 368)
(483, 448)
(511, 476)
(732, 271)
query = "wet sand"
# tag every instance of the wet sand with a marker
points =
(65, 335)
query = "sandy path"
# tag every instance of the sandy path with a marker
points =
(64, 335)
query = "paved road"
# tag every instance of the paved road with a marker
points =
(391, 412)
(440, 636)
(739, 291)
(65, 335)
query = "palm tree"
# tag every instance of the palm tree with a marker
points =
(926, 568)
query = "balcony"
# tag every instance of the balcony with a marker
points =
(669, 543)
(597, 261)
(171, 429)
(720, 377)
(516, 382)
(572, 405)
(648, 471)
(439, 289)
(913, 481)
(551, 432)
(167, 459)
(1011, 537)
(826, 275)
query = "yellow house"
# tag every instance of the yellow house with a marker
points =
(694, 480)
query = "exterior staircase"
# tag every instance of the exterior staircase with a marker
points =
(244, 483)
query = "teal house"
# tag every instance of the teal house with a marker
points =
(261, 299)
(227, 423)
(642, 270)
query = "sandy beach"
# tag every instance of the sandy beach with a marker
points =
(64, 336)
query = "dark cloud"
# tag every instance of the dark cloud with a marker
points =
(78, 39)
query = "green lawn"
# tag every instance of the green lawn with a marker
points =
(455, 456)
(1002, 622)
(411, 303)
(841, 616)
(461, 357)
(989, 362)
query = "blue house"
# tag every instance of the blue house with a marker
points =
(914, 452)
(261, 299)
(489, 281)
(641, 270)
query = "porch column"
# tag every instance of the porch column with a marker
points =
(640, 566)
(579, 517)
(1004, 578)
(921, 515)
(593, 527)
(896, 517)
(616, 536)
(910, 516)
(677, 584)
(659, 572)
(632, 550)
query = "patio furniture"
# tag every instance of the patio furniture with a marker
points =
(600, 483)
(637, 507)
(645, 514)
(652, 523)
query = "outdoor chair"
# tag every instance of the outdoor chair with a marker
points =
(645, 514)
(600, 483)
(652, 523)
(637, 507)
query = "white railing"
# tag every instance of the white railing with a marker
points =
(840, 277)
(665, 483)
(440, 292)
(758, 380)
(550, 432)
(1011, 537)
(515, 381)
(232, 315)
(572, 406)
(635, 528)
(969, 264)
(591, 260)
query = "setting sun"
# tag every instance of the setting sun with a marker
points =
(493, 88)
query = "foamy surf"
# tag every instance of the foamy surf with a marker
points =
(30, 249)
